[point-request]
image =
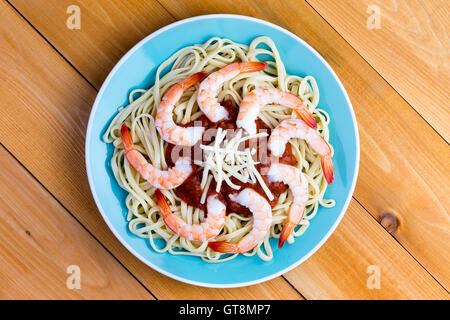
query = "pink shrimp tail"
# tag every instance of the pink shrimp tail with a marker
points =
(328, 169)
(163, 207)
(306, 116)
(193, 79)
(287, 230)
(127, 140)
(223, 246)
(253, 66)
(162, 204)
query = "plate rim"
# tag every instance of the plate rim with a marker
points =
(89, 133)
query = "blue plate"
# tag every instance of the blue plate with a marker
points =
(137, 70)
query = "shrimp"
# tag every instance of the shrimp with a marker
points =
(257, 98)
(262, 220)
(169, 179)
(167, 128)
(298, 185)
(207, 93)
(296, 128)
(204, 231)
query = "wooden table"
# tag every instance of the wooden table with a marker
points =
(397, 77)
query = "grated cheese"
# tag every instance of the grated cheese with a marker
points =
(205, 189)
(224, 159)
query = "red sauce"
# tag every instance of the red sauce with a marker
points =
(190, 191)
(276, 188)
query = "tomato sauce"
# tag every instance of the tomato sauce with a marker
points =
(191, 192)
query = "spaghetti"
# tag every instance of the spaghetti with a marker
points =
(144, 218)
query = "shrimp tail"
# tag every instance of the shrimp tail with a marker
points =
(327, 167)
(285, 233)
(253, 66)
(193, 79)
(164, 208)
(223, 246)
(162, 204)
(306, 116)
(127, 140)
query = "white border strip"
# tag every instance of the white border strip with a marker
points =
(91, 183)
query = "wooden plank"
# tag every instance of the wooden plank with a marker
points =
(354, 256)
(44, 126)
(410, 49)
(117, 26)
(39, 241)
(362, 89)
(403, 160)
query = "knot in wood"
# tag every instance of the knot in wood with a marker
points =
(389, 222)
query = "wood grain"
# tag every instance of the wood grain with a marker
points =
(39, 241)
(44, 126)
(108, 30)
(68, 109)
(403, 161)
(358, 245)
(410, 50)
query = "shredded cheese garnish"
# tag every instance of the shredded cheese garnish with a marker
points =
(226, 158)
(205, 189)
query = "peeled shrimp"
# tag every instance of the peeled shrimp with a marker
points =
(207, 93)
(262, 220)
(206, 230)
(298, 185)
(257, 98)
(169, 179)
(296, 128)
(167, 128)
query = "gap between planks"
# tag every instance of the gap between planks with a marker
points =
(91, 83)
(396, 91)
(374, 69)
(20, 164)
(54, 197)
(40, 261)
